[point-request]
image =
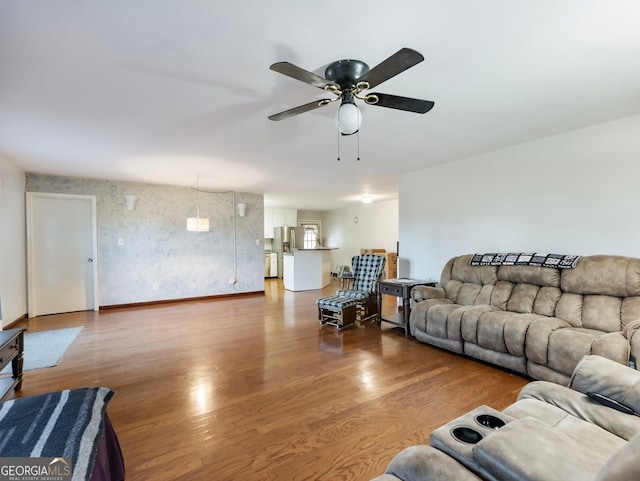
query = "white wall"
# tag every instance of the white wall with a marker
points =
(574, 193)
(13, 283)
(377, 228)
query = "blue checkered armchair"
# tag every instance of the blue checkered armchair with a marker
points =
(367, 270)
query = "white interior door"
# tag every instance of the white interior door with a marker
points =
(61, 253)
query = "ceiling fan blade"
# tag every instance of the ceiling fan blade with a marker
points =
(300, 109)
(399, 62)
(403, 103)
(290, 70)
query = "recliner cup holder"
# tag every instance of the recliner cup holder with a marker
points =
(466, 434)
(489, 421)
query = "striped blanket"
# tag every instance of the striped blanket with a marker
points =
(58, 424)
(558, 261)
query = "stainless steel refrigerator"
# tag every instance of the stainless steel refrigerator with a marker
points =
(285, 239)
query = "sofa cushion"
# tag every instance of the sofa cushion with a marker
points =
(569, 308)
(452, 289)
(484, 296)
(527, 449)
(419, 310)
(444, 320)
(437, 319)
(602, 313)
(522, 298)
(501, 294)
(568, 346)
(499, 331)
(581, 430)
(623, 465)
(468, 294)
(418, 316)
(547, 300)
(540, 276)
(467, 315)
(462, 271)
(630, 310)
(604, 275)
(612, 345)
(555, 397)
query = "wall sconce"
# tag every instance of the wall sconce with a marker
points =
(131, 201)
(242, 210)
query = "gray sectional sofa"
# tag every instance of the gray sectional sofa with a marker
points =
(551, 432)
(538, 321)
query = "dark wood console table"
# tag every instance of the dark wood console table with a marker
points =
(11, 349)
(399, 288)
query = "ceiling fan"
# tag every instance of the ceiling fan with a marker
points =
(347, 80)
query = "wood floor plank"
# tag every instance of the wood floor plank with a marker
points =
(254, 389)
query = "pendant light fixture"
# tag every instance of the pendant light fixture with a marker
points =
(197, 223)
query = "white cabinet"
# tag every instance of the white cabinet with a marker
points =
(291, 217)
(268, 223)
(278, 217)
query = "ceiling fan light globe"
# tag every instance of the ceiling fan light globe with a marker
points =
(348, 119)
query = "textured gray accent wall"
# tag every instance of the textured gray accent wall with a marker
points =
(157, 247)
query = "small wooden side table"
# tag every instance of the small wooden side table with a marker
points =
(11, 349)
(399, 288)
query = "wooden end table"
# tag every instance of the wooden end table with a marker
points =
(11, 349)
(399, 288)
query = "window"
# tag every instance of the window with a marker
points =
(311, 231)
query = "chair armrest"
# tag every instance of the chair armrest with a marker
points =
(425, 463)
(421, 293)
(596, 374)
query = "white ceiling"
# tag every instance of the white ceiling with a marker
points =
(161, 91)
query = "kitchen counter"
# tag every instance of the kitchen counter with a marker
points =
(307, 269)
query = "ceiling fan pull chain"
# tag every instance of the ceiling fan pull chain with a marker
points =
(358, 145)
(338, 146)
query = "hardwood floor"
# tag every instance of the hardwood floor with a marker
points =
(254, 389)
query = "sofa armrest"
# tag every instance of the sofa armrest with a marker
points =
(596, 374)
(612, 345)
(632, 333)
(528, 449)
(425, 463)
(420, 293)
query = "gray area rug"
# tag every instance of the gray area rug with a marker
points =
(45, 348)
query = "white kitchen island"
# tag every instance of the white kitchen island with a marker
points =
(307, 269)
